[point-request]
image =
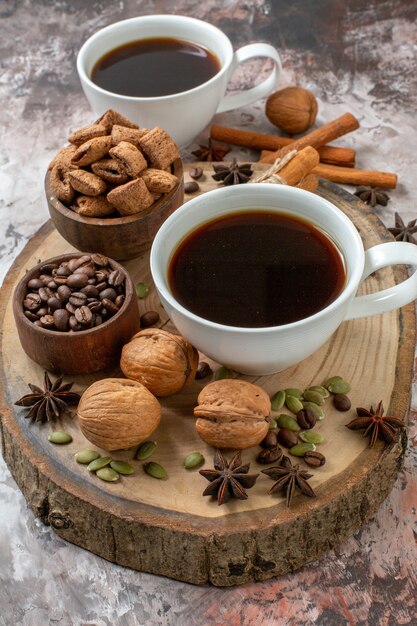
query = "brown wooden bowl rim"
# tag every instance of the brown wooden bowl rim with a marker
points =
(21, 318)
(159, 205)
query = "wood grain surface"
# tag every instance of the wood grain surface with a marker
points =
(139, 523)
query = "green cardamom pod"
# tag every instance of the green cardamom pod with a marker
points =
(122, 467)
(339, 386)
(86, 456)
(108, 474)
(314, 396)
(60, 437)
(193, 460)
(310, 436)
(223, 372)
(322, 390)
(315, 408)
(142, 290)
(278, 400)
(330, 380)
(145, 450)
(99, 463)
(301, 448)
(155, 470)
(288, 422)
(273, 424)
(293, 391)
(293, 404)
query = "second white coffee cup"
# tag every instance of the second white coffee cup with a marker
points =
(183, 115)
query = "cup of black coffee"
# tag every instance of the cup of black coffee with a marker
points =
(167, 70)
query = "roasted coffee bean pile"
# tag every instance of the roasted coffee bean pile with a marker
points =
(80, 293)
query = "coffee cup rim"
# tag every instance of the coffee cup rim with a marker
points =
(159, 275)
(82, 53)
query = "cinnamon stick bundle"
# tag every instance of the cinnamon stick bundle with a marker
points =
(348, 175)
(319, 137)
(260, 141)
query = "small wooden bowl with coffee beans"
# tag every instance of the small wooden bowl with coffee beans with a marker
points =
(110, 189)
(74, 312)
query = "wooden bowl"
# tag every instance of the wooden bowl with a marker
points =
(80, 352)
(119, 238)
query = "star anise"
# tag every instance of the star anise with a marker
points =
(50, 402)
(233, 173)
(376, 424)
(289, 477)
(372, 195)
(228, 480)
(211, 152)
(402, 232)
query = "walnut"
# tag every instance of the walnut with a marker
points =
(115, 413)
(232, 414)
(292, 109)
(161, 361)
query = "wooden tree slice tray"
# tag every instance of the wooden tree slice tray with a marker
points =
(167, 527)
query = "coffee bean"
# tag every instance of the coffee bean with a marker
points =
(73, 264)
(35, 283)
(119, 300)
(32, 301)
(341, 402)
(45, 293)
(63, 270)
(48, 268)
(203, 368)
(38, 323)
(315, 459)
(108, 294)
(74, 324)
(287, 438)
(61, 319)
(100, 259)
(64, 292)
(83, 315)
(31, 316)
(78, 298)
(60, 280)
(101, 286)
(45, 278)
(47, 321)
(150, 318)
(77, 281)
(55, 303)
(52, 285)
(195, 173)
(269, 455)
(90, 291)
(97, 319)
(270, 440)
(94, 306)
(191, 187)
(116, 278)
(42, 311)
(306, 419)
(101, 274)
(88, 270)
(70, 308)
(109, 306)
(92, 281)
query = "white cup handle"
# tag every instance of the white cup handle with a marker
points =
(263, 89)
(394, 297)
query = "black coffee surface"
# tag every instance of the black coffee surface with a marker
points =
(155, 67)
(256, 269)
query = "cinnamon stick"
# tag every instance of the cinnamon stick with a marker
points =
(260, 141)
(352, 176)
(319, 137)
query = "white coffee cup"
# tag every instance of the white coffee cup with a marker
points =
(272, 349)
(183, 115)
